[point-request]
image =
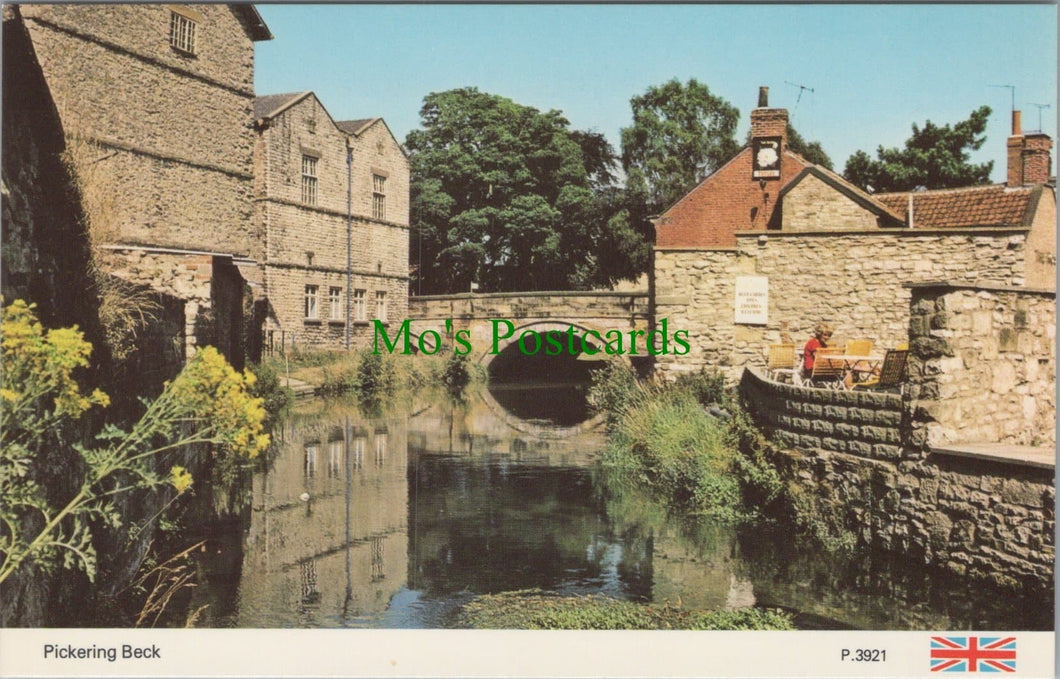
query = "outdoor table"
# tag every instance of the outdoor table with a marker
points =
(855, 362)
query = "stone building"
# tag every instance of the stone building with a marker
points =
(770, 245)
(310, 201)
(155, 103)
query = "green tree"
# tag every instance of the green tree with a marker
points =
(810, 150)
(506, 196)
(934, 157)
(680, 134)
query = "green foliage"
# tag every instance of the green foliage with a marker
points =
(267, 386)
(506, 195)
(375, 376)
(810, 150)
(934, 157)
(614, 391)
(820, 519)
(680, 134)
(664, 438)
(537, 610)
(207, 403)
(456, 374)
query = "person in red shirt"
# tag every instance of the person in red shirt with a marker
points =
(821, 334)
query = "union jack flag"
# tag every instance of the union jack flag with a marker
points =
(973, 654)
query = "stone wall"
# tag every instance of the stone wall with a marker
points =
(600, 311)
(45, 252)
(1041, 243)
(988, 368)
(861, 454)
(852, 279)
(813, 205)
(174, 129)
(307, 243)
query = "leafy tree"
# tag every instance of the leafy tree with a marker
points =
(508, 196)
(680, 134)
(934, 157)
(811, 151)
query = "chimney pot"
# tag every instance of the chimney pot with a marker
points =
(1017, 125)
(763, 97)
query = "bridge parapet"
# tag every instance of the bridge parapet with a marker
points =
(516, 306)
(542, 311)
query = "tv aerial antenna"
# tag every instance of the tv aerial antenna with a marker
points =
(1040, 107)
(802, 89)
(1012, 91)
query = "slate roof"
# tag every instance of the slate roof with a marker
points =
(355, 127)
(993, 205)
(252, 21)
(271, 104)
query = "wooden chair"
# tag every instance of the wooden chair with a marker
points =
(892, 372)
(782, 361)
(858, 347)
(827, 373)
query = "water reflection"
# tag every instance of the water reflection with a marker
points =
(396, 520)
(327, 539)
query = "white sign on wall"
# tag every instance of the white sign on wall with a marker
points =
(752, 300)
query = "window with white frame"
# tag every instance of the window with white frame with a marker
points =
(311, 302)
(309, 179)
(359, 312)
(335, 308)
(380, 305)
(378, 196)
(182, 33)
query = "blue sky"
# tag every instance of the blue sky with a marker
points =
(874, 69)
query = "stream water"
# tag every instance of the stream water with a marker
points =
(396, 519)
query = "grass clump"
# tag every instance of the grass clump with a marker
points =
(538, 610)
(689, 443)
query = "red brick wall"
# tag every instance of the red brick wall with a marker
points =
(725, 202)
(1037, 163)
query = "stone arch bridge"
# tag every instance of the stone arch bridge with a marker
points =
(539, 311)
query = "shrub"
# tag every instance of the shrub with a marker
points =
(267, 386)
(207, 403)
(375, 376)
(456, 374)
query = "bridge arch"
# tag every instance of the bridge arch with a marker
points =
(543, 326)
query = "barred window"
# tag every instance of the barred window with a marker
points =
(380, 305)
(359, 313)
(335, 304)
(378, 197)
(181, 33)
(311, 301)
(309, 180)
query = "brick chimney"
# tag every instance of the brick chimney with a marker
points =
(769, 122)
(1029, 157)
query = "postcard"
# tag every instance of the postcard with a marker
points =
(581, 340)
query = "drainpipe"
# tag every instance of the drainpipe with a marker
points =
(910, 209)
(349, 235)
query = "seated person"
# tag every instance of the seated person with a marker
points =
(821, 334)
